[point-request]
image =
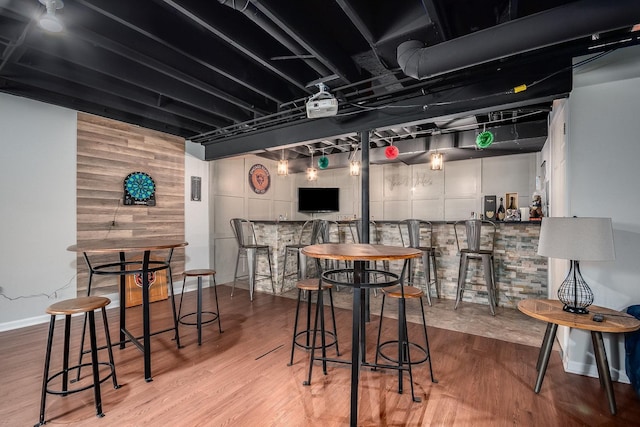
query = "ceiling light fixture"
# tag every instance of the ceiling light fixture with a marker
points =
(49, 21)
(437, 161)
(354, 165)
(354, 168)
(312, 173)
(283, 167)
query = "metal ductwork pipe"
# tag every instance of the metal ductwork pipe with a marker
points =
(557, 25)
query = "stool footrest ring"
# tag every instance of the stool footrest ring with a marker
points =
(211, 313)
(421, 349)
(74, 368)
(329, 334)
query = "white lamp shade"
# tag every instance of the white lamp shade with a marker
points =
(581, 239)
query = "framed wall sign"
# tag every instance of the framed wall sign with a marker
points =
(139, 189)
(259, 179)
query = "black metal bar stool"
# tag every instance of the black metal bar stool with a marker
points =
(310, 286)
(420, 234)
(249, 248)
(402, 358)
(67, 308)
(474, 244)
(215, 315)
(309, 234)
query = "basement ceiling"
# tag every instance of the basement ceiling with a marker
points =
(234, 75)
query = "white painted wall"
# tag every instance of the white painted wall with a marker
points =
(602, 180)
(38, 209)
(397, 192)
(196, 213)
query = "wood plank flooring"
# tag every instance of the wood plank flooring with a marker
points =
(241, 378)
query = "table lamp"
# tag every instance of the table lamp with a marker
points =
(576, 239)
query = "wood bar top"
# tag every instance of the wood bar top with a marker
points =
(551, 311)
(126, 245)
(360, 252)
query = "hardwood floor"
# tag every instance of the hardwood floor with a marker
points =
(241, 378)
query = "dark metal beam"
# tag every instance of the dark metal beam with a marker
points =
(210, 53)
(311, 40)
(78, 76)
(362, 27)
(81, 53)
(480, 97)
(246, 50)
(162, 67)
(31, 81)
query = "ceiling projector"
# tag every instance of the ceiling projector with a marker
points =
(322, 108)
(322, 104)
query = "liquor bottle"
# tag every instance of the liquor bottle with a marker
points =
(512, 205)
(501, 211)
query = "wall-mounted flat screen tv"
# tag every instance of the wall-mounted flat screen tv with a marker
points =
(315, 199)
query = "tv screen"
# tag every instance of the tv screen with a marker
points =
(318, 199)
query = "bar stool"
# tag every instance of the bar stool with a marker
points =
(310, 286)
(215, 315)
(67, 308)
(311, 231)
(402, 357)
(416, 230)
(479, 246)
(248, 247)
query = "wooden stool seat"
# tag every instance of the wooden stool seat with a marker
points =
(67, 308)
(77, 305)
(199, 272)
(212, 315)
(312, 285)
(397, 292)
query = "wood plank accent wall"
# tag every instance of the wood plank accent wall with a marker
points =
(108, 151)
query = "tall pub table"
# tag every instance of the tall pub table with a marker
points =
(143, 269)
(612, 321)
(360, 254)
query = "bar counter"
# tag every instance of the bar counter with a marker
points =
(520, 272)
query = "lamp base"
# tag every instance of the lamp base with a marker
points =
(574, 292)
(575, 310)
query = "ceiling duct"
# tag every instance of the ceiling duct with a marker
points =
(531, 32)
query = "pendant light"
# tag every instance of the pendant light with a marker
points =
(436, 161)
(312, 173)
(283, 166)
(49, 21)
(354, 165)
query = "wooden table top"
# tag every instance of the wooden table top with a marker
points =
(551, 311)
(127, 245)
(360, 252)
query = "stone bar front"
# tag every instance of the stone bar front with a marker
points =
(520, 272)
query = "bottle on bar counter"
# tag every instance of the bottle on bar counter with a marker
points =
(501, 211)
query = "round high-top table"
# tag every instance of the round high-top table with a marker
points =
(551, 311)
(144, 269)
(360, 254)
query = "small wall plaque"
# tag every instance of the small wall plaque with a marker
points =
(196, 189)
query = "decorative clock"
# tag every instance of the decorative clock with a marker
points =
(139, 189)
(259, 178)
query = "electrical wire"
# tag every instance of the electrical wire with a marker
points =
(53, 294)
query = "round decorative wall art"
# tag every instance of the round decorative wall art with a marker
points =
(259, 178)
